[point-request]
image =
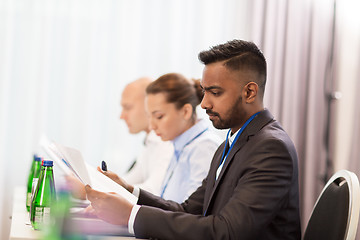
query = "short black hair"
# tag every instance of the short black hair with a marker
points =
(238, 55)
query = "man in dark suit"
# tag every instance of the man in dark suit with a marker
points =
(251, 190)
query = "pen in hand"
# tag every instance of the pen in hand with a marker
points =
(103, 166)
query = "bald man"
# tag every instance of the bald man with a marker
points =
(150, 167)
(133, 105)
(152, 162)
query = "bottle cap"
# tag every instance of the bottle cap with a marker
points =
(47, 163)
(37, 158)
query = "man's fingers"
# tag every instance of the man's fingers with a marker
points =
(90, 211)
(90, 193)
(93, 194)
(88, 189)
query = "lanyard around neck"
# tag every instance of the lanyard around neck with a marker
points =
(236, 138)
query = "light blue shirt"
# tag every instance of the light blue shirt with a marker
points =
(193, 152)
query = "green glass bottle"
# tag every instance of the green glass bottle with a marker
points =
(32, 180)
(43, 197)
(59, 211)
(34, 186)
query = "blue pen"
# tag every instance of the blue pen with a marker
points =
(103, 166)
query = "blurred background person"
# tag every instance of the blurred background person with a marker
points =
(171, 105)
(150, 166)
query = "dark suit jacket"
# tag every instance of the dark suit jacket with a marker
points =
(255, 197)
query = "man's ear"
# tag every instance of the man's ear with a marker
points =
(187, 111)
(250, 92)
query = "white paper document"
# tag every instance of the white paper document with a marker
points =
(71, 161)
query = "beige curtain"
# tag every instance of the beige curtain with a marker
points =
(346, 123)
(354, 147)
(354, 163)
(297, 39)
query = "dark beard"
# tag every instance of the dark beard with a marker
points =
(232, 118)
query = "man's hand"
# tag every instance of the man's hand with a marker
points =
(77, 188)
(110, 207)
(117, 179)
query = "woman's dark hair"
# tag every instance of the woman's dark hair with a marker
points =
(178, 90)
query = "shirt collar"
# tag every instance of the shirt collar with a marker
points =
(232, 137)
(183, 139)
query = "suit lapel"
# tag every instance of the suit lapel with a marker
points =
(259, 122)
(239, 143)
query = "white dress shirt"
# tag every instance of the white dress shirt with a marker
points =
(230, 142)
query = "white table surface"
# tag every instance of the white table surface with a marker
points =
(20, 230)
